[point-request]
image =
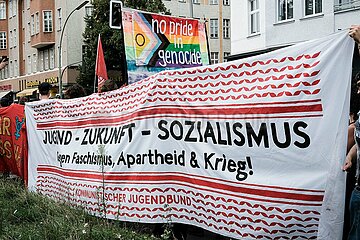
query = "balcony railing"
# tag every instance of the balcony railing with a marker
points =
(347, 6)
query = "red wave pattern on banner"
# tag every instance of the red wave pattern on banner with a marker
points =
(143, 91)
(205, 212)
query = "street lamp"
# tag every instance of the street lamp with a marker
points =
(191, 8)
(61, 37)
(68, 66)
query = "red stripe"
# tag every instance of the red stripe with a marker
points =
(192, 181)
(160, 112)
(102, 122)
(186, 174)
(55, 111)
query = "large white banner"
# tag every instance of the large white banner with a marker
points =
(251, 149)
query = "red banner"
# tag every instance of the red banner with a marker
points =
(13, 140)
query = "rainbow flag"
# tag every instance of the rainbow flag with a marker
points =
(155, 42)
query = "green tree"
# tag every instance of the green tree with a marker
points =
(112, 40)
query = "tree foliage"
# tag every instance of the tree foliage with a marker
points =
(112, 40)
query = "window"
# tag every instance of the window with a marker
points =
(46, 59)
(47, 21)
(89, 10)
(214, 2)
(59, 13)
(345, 4)
(5, 72)
(11, 69)
(37, 23)
(226, 28)
(52, 58)
(15, 38)
(16, 68)
(32, 19)
(14, 8)
(2, 40)
(226, 54)
(41, 60)
(34, 66)
(11, 39)
(214, 57)
(2, 10)
(29, 64)
(254, 16)
(10, 8)
(214, 26)
(83, 52)
(226, 2)
(196, 1)
(344, 1)
(285, 9)
(313, 7)
(29, 32)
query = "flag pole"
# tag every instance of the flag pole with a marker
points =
(96, 63)
(95, 78)
(207, 41)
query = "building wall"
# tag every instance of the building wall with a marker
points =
(32, 50)
(203, 10)
(4, 28)
(242, 40)
(344, 19)
(300, 28)
(13, 37)
(72, 39)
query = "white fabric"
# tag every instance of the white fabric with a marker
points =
(259, 145)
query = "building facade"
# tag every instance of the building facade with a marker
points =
(218, 22)
(30, 32)
(267, 25)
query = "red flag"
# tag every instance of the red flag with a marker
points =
(100, 69)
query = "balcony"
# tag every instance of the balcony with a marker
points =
(42, 39)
